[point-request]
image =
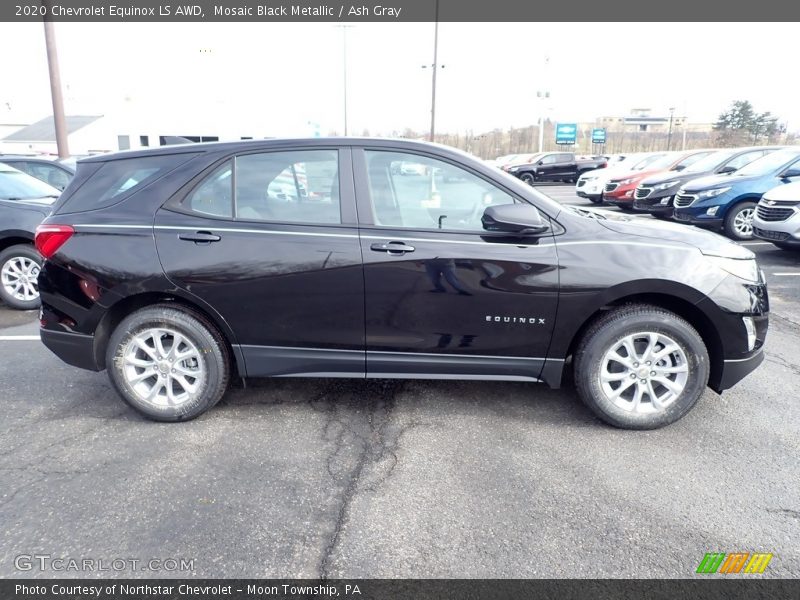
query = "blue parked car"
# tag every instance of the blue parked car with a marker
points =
(728, 202)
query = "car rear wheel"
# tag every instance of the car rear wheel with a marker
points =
(19, 272)
(641, 367)
(167, 363)
(528, 178)
(739, 221)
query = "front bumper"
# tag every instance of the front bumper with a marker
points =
(696, 217)
(787, 231)
(736, 369)
(655, 204)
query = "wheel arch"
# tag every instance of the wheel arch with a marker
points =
(15, 237)
(681, 306)
(129, 304)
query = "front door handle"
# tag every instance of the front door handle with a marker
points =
(394, 248)
(199, 237)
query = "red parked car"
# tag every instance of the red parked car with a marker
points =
(619, 190)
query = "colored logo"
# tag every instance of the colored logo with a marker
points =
(734, 562)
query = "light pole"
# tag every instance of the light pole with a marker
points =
(543, 95)
(55, 90)
(434, 67)
(344, 29)
(669, 135)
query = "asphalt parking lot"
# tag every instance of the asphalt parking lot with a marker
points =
(337, 478)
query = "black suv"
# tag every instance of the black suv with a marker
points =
(180, 267)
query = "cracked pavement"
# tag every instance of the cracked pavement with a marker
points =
(346, 478)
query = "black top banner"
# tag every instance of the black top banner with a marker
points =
(144, 11)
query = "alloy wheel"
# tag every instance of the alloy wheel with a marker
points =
(19, 278)
(644, 372)
(163, 367)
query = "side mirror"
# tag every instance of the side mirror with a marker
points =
(679, 168)
(726, 169)
(791, 172)
(514, 220)
(541, 162)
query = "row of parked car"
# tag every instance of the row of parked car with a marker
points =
(738, 191)
(742, 192)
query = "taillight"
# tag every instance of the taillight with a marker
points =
(49, 238)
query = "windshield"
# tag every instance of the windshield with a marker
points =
(665, 161)
(15, 185)
(646, 161)
(768, 164)
(710, 162)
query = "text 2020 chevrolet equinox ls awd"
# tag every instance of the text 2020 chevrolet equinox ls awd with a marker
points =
(178, 268)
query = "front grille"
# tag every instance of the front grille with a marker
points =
(642, 192)
(610, 187)
(778, 236)
(773, 213)
(581, 182)
(682, 200)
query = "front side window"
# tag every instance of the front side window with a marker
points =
(417, 192)
(550, 159)
(690, 160)
(745, 159)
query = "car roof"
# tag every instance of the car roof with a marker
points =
(244, 145)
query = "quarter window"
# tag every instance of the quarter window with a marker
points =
(417, 192)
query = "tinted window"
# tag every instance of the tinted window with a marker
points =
(118, 179)
(564, 158)
(50, 174)
(215, 195)
(440, 196)
(550, 159)
(745, 159)
(295, 187)
(690, 160)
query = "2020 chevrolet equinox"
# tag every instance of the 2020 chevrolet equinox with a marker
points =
(178, 268)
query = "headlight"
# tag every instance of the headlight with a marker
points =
(665, 185)
(712, 193)
(588, 178)
(513, 169)
(746, 269)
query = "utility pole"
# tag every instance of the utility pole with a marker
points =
(669, 135)
(344, 29)
(543, 95)
(55, 90)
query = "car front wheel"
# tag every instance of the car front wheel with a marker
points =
(168, 363)
(641, 367)
(528, 178)
(739, 221)
(19, 272)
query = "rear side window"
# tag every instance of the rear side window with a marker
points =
(115, 180)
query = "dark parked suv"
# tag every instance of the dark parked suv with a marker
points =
(178, 268)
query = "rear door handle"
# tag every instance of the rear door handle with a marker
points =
(396, 248)
(199, 237)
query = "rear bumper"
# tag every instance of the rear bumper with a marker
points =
(75, 349)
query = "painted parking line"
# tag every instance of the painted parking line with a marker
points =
(756, 243)
(787, 274)
(19, 338)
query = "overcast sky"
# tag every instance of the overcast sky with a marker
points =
(292, 73)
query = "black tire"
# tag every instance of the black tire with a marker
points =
(529, 178)
(10, 257)
(730, 226)
(213, 358)
(608, 331)
(596, 199)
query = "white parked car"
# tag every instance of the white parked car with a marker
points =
(590, 185)
(777, 216)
